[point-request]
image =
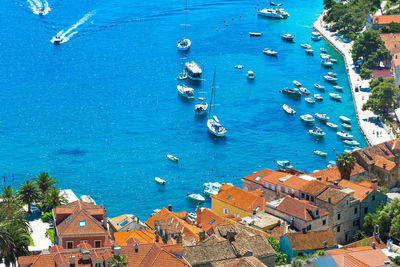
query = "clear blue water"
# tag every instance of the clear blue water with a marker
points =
(101, 111)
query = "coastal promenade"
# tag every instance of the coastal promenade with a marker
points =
(374, 130)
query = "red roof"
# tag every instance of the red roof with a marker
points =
(385, 19)
(385, 73)
(300, 209)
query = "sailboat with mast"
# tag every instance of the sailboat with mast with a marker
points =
(213, 124)
(185, 43)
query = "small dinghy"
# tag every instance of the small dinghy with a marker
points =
(325, 56)
(319, 87)
(211, 189)
(316, 38)
(307, 46)
(333, 60)
(307, 118)
(345, 119)
(239, 67)
(331, 125)
(270, 52)
(172, 158)
(185, 92)
(321, 117)
(250, 75)
(346, 126)
(297, 83)
(304, 90)
(330, 79)
(318, 97)
(200, 109)
(288, 109)
(323, 50)
(285, 164)
(320, 153)
(334, 96)
(309, 51)
(327, 63)
(287, 37)
(159, 181)
(351, 142)
(309, 100)
(317, 132)
(182, 76)
(197, 198)
(332, 74)
(338, 88)
(292, 92)
(344, 135)
(255, 34)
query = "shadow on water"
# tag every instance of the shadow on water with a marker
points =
(71, 152)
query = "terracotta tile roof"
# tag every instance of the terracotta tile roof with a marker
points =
(345, 260)
(294, 182)
(80, 222)
(392, 42)
(333, 173)
(314, 187)
(240, 262)
(360, 191)
(278, 231)
(385, 19)
(139, 236)
(79, 204)
(384, 73)
(384, 163)
(366, 183)
(265, 175)
(235, 196)
(207, 219)
(332, 194)
(223, 228)
(312, 240)
(300, 209)
(366, 241)
(369, 154)
(360, 256)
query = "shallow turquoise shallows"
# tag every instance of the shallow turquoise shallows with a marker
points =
(101, 111)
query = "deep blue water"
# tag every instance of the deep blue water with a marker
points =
(101, 111)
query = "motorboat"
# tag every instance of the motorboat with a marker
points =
(320, 153)
(307, 118)
(333, 60)
(345, 119)
(292, 92)
(283, 12)
(335, 96)
(309, 100)
(326, 63)
(275, 4)
(351, 142)
(344, 135)
(275, 13)
(316, 38)
(197, 198)
(186, 92)
(296, 83)
(239, 67)
(331, 125)
(323, 50)
(287, 37)
(325, 56)
(182, 76)
(285, 164)
(88, 199)
(41, 11)
(321, 117)
(201, 109)
(318, 97)
(332, 74)
(57, 39)
(250, 75)
(288, 109)
(270, 52)
(307, 46)
(159, 180)
(255, 34)
(213, 124)
(346, 126)
(309, 51)
(317, 132)
(193, 71)
(319, 87)
(184, 44)
(172, 158)
(211, 189)
(330, 79)
(304, 90)
(338, 88)
(315, 34)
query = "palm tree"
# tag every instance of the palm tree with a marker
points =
(18, 245)
(52, 199)
(10, 202)
(28, 193)
(118, 261)
(345, 163)
(44, 182)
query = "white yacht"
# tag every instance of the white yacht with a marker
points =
(335, 96)
(88, 199)
(159, 180)
(213, 124)
(201, 109)
(270, 52)
(276, 13)
(307, 118)
(197, 198)
(185, 43)
(211, 189)
(186, 92)
(344, 135)
(172, 158)
(317, 132)
(193, 71)
(288, 109)
(321, 117)
(297, 83)
(285, 164)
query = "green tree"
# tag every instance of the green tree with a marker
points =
(10, 202)
(329, 4)
(370, 220)
(370, 47)
(52, 199)
(345, 163)
(118, 260)
(17, 247)
(28, 193)
(44, 182)
(365, 73)
(280, 257)
(359, 235)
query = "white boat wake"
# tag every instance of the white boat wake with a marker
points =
(39, 7)
(67, 34)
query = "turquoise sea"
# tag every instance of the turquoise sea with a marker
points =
(101, 111)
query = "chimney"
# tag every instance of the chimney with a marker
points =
(157, 236)
(384, 166)
(374, 184)
(116, 250)
(198, 213)
(136, 248)
(170, 207)
(202, 236)
(72, 260)
(373, 245)
(329, 199)
(254, 212)
(179, 239)
(319, 178)
(336, 183)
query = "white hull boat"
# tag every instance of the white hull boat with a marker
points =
(307, 118)
(255, 34)
(288, 109)
(346, 126)
(304, 91)
(185, 91)
(275, 13)
(172, 158)
(319, 87)
(326, 63)
(345, 119)
(331, 125)
(306, 46)
(57, 40)
(159, 181)
(316, 38)
(270, 52)
(287, 37)
(193, 71)
(351, 142)
(285, 164)
(296, 83)
(250, 75)
(323, 50)
(201, 109)
(317, 132)
(195, 198)
(318, 97)
(344, 135)
(330, 79)
(309, 100)
(334, 96)
(338, 88)
(213, 124)
(184, 44)
(239, 67)
(332, 74)
(309, 51)
(211, 189)
(88, 199)
(320, 153)
(321, 117)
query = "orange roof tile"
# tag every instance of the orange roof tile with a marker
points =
(333, 195)
(385, 19)
(79, 223)
(333, 173)
(139, 236)
(299, 208)
(360, 256)
(207, 219)
(265, 175)
(366, 241)
(312, 240)
(294, 182)
(313, 187)
(235, 196)
(360, 191)
(384, 163)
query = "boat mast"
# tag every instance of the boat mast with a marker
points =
(185, 18)
(212, 93)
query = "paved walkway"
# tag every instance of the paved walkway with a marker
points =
(373, 129)
(38, 235)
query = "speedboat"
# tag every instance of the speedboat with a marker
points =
(323, 50)
(285, 164)
(57, 39)
(331, 125)
(318, 97)
(307, 46)
(250, 75)
(344, 135)
(88, 199)
(345, 119)
(159, 181)
(309, 100)
(288, 109)
(186, 92)
(315, 34)
(333, 60)
(193, 71)
(239, 67)
(276, 13)
(172, 158)
(304, 90)
(287, 37)
(325, 56)
(319, 87)
(351, 142)
(215, 127)
(211, 189)
(270, 52)
(316, 38)
(307, 118)
(346, 126)
(338, 88)
(255, 34)
(184, 44)
(335, 96)
(327, 63)
(317, 132)
(296, 83)
(200, 109)
(292, 92)
(309, 51)
(321, 117)
(197, 198)
(320, 153)
(330, 79)
(332, 74)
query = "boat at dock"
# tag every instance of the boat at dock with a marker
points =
(335, 96)
(255, 34)
(287, 37)
(307, 118)
(270, 52)
(332, 74)
(193, 71)
(88, 199)
(318, 97)
(288, 109)
(321, 117)
(292, 92)
(309, 51)
(345, 119)
(159, 180)
(325, 56)
(285, 164)
(320, 153)
(316, 38)
(344, 135)
(323, 50)
(316, 132)
(309, 100)
(172, 158)
(211, 189)
(315, 34)
(326, 63)
(296, 83)
(304, 90)
(197, 198)
(186, 92)
(333, 60)
(319, 87)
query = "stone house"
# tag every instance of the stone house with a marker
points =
(332, 174)
(124, 222)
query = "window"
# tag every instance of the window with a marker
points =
(228, 197)
(98, 265)
(226, 211)
(257, 178)
(346, 237)
(211, 222)
(324, 222)
(246, 188)
(237, 215)
(308, 227)
(272, 187)
(373, 197)
(317, 212)
(338, 229)
(286, 190)
(302, 195)
(82, 223)
(97, 243)
(70, 244)
(347, 202)
(338, 216)
(355, 210)
(356, 222)
(307, 197)
(257, 208)
(266, 185)
(312, 200)
(366, 210)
